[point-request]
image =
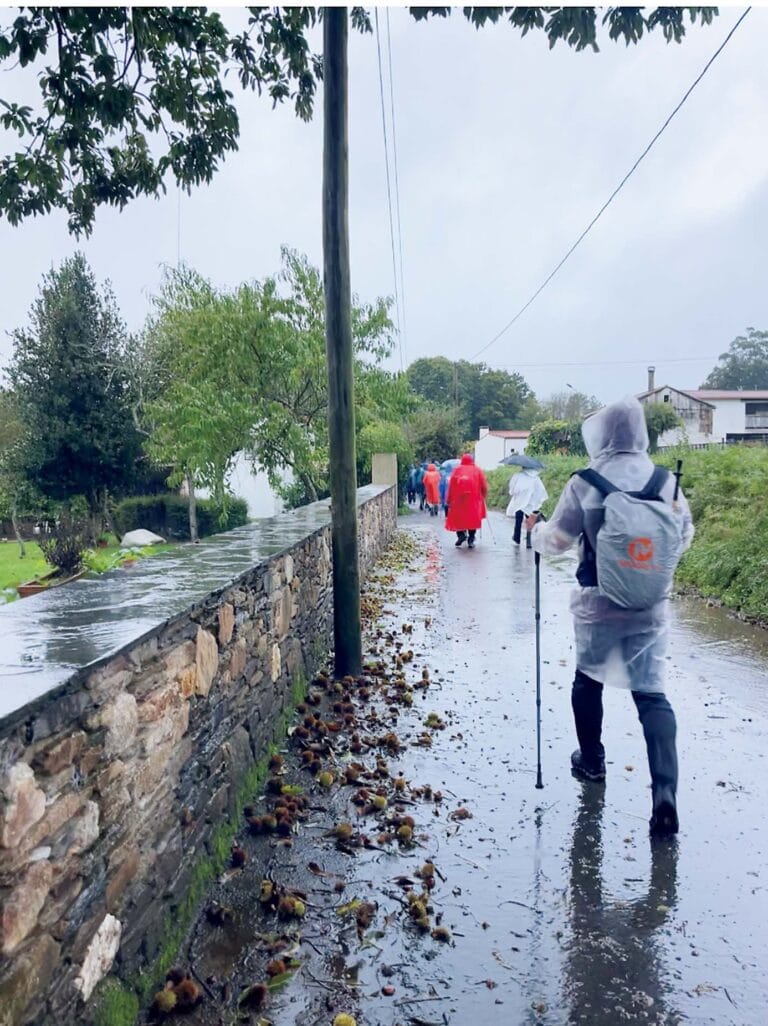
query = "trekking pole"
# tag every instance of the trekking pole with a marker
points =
(537, 591)
(678, 474)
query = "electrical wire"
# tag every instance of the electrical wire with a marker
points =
(404, 335)
(616, 191)
(389, 188)
(612, 363)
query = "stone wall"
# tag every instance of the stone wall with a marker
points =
(114, 791)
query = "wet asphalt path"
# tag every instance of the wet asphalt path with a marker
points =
(596, 924)
(560, 909)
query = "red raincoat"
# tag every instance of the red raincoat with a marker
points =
(432, 485)
(467, 489)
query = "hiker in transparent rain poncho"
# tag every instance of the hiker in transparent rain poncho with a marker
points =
(615, 645)
(527, 495)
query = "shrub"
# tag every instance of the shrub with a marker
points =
(168, 515)
(65, 546)
(557, 437)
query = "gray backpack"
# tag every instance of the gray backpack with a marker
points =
(639, 543)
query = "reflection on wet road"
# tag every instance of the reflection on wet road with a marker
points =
(616, 929)
(560, 910)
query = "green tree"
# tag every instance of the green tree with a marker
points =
(17, 496)
(225, 371)
(435, 434)
(129, 96)
(477, 394)
(745, 365)
(71, 389)
(659, 417)
(383, 436)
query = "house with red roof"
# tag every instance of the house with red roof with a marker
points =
(492, 446)
(712, 416)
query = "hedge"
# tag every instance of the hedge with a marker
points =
(168, 516)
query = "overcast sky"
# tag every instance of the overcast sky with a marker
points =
(506, 150)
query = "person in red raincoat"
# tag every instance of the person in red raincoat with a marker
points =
(467, 490)
(432, 489)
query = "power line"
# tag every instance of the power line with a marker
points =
(617, 190)
(404, 345)
(611, 363)
(389, 188)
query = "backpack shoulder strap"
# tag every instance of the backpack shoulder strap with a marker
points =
(656, 482)
(602, 484)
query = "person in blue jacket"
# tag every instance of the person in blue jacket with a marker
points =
(420, 484)
(412, 484)
(445, 477)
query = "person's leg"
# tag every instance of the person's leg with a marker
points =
(660, 729)
(587, 704)
(460, 538)
(518, 526)
(471, 539)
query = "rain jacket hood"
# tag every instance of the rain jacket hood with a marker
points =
(617, 428)
(466, 460)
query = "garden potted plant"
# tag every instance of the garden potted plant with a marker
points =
(63, 550)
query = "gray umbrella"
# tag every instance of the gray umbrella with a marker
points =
(519, 460)
(449, 464)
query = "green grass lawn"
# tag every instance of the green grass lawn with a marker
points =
(14, 570)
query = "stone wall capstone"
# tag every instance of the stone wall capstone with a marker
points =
(112, 789)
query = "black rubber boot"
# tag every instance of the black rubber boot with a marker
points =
(471, 542)
(461, 537)
(587, 704)
(585, 770)
(660, 729)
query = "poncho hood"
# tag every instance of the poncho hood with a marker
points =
(618, 428)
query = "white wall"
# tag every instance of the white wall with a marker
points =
(489, 452)
(730, 417)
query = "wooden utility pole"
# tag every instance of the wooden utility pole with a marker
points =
(338, 343)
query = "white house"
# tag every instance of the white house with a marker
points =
(492, 446)
(712, 416)
(738, 416)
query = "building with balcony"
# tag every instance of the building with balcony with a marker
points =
(712, 416)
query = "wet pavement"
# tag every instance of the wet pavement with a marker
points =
(558, 908)
(48, 637)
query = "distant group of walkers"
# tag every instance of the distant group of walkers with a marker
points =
(459, 488)
(630, 522)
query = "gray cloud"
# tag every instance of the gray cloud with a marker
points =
(506, 150)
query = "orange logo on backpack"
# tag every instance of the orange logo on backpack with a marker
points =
(640, 550)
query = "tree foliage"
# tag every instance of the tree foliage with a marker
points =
(478, 395)
(568, 405)
(128, 96)
(71, 390)
(435, 434)
(745, 365)
(562, 437)
(659, 417)
(244, 369)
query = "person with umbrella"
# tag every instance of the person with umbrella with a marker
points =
(527, 493)
(467, 490)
